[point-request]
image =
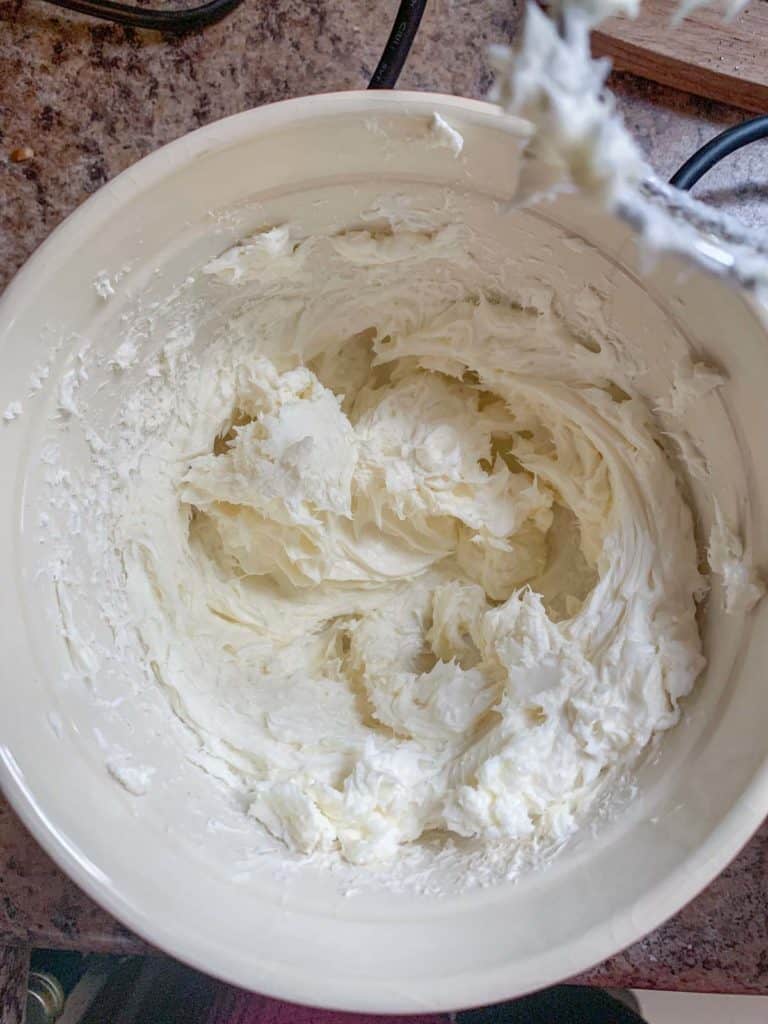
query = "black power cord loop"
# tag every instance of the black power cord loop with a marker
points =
(393, 57)
(717, 149)
(146, 17)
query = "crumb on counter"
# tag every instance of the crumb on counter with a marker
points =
(21, 154)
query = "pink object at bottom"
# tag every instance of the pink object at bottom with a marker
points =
(235, 1007)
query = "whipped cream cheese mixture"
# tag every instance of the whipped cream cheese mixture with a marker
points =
(403, 555)
(387, 517)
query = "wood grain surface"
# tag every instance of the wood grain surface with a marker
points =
(705, 54)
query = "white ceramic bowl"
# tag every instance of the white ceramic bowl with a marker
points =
(148, 860)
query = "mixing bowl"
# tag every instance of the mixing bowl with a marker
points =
(164, 861)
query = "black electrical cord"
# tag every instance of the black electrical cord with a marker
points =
(398, 46)
(393, 57)
(717, 149)
(147, 17)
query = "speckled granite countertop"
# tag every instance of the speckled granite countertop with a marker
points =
(89, 99)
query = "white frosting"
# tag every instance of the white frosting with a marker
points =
(103, 285)
(445, 135)
(692, 381)
(404, 558)
(742, 587)
(551, 79)
(12, 411)
(134, 778)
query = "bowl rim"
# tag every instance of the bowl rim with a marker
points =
(319, 989)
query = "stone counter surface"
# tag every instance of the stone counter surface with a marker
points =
(89, 99)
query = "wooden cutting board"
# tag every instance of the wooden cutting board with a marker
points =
(705, 55)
